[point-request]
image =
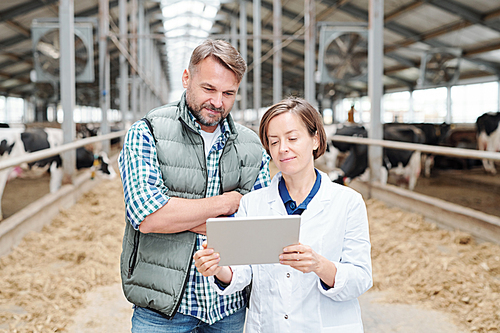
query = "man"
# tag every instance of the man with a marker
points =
(184, 163)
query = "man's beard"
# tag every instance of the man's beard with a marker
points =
(210, 120)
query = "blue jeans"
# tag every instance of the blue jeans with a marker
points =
(147, 321)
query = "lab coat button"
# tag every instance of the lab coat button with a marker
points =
(286, 316)
(287, 275)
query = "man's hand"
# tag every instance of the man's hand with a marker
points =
(200, 229)
(179, 214)
(231, 202)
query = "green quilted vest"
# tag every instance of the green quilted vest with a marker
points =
(155, 267)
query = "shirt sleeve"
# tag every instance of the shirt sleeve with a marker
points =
(264, 177)
(143, 188)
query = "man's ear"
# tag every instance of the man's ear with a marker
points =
(185, 78)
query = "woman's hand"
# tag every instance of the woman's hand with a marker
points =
(207, 263)
(303, 258)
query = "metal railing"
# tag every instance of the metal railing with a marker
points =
(44, 153)
(438, 150)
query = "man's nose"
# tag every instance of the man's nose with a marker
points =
(217, 100)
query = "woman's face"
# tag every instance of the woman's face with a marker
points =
(290, 144)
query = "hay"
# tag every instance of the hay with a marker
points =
(417, 263)
(44, 280)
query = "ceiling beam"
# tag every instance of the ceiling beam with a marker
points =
(19, 28)
(454, 26)
(482, 49)
(24, 8)
(465, 12)
(410, 33)
(492, 15)
(402, 10)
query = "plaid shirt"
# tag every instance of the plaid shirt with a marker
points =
(145, 192)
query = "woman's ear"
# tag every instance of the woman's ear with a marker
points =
(316, 141)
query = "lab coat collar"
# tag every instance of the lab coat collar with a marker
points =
(320, 201)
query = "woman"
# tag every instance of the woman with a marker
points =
(316, 285)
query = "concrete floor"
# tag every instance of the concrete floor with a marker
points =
(107, 310)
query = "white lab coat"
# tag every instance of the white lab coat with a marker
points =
(284, 299)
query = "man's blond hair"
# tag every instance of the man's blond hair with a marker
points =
(223, 52)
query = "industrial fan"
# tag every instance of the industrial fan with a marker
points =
(47, 91)
(86, 96)
(343, 54)
(46, 51)
(439, 67)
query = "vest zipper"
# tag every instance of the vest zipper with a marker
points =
(185, 283)
(203, 163)
(133, 256)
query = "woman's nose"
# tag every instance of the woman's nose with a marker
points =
(283, 147)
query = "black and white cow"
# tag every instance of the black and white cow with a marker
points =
(356, 161)
(435, 135)
(488, 137)
(404, 163)
(16, 142)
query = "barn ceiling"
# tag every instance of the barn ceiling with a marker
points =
(452, 38)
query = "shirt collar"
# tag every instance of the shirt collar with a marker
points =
(290, 205)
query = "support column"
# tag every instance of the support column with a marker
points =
(133, 51)
(127, 117)
(257, 46)
(449, 117)
(277, 69)
(104, 72)
(310, 53)
(133, 97)
(68, 82)
(234, 42)
(140, 57)
(375, 83)
(498, 95)
(243, 52)
(411, 111)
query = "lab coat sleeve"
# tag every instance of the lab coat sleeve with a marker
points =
(242, 276)
(354, 270)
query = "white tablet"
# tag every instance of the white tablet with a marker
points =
(252, 240)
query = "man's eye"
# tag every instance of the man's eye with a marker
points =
(228, 94)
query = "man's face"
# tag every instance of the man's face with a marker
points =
(210, 92)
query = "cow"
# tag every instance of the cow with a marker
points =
(16, 142)
(404, 162)
(458, 136)
(434, 134)
(329, 158)
(488, 137)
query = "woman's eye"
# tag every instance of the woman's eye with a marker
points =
(274, 143)
(292, 139)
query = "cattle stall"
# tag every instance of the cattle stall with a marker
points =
(469, 195)
(35, 204)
